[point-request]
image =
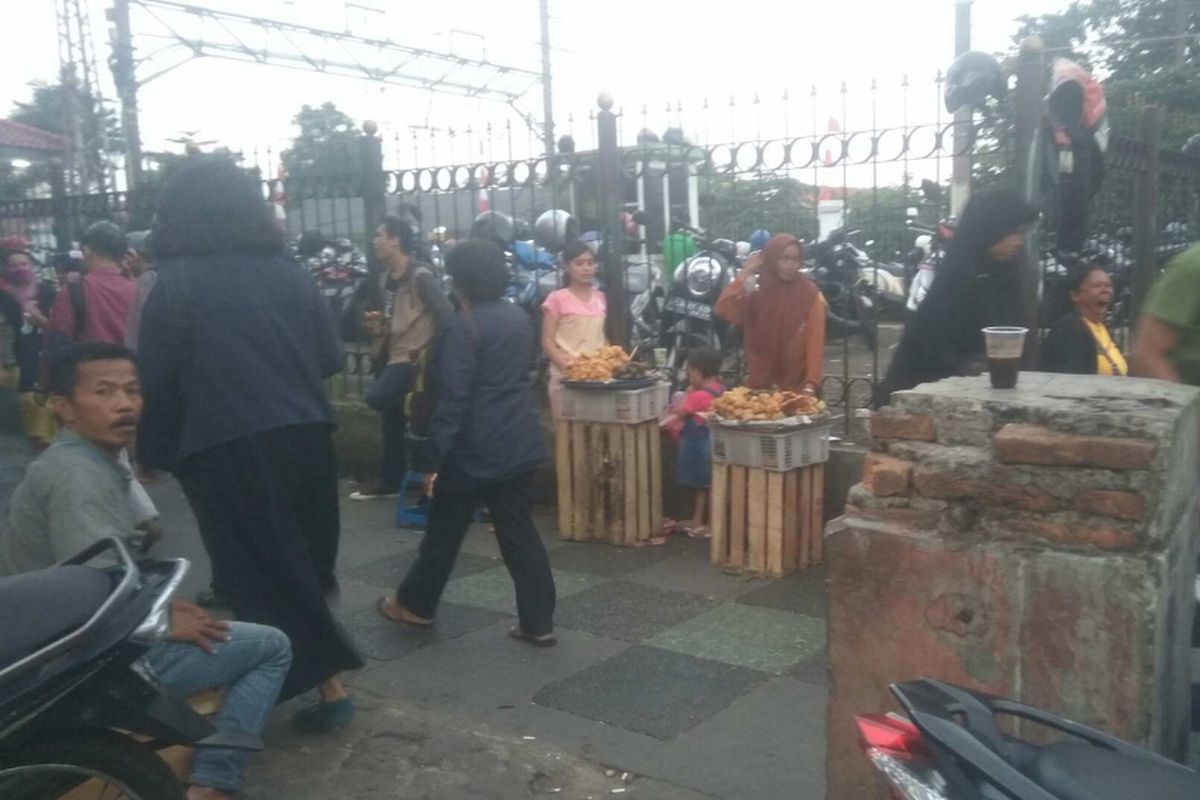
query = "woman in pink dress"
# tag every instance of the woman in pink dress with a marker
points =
(572, 317)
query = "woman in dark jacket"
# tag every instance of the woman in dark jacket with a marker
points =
(234, 346)
(1079, 343)
(484, 444)
(976, 285)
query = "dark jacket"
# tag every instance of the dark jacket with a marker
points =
(1070, 347)
(484, 427)
(970, 291)
(231, 346)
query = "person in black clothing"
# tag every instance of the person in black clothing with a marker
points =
(1079, 343)
(976, 285)
(234, 347)
(484, 444)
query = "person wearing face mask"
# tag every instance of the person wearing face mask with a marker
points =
(782, 319)
(1079, 343)
(976, 286)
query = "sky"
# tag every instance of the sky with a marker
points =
(648, 54)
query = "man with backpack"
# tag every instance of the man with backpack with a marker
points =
(414, 309)
(94, 307)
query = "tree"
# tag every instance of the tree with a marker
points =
(326, 146)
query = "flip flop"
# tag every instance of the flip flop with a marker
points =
(699, 532)
(548, 640)
(405, 617)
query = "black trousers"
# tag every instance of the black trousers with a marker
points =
(450, 514)
(271, 504)
(205, 523)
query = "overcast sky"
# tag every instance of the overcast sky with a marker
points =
(645, 52)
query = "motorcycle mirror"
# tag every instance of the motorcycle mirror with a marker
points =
(912, 212)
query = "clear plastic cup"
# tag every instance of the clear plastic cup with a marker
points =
(1005, 346)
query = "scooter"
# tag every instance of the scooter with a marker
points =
(950, 747)
(74, 690)
(687, 319)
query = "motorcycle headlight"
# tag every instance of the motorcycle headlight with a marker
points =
(701, 275)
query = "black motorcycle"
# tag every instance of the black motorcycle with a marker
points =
(74, 691)
(951, 747)
(687, 319)
(836, 269)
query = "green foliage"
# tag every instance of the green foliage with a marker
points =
(733, 207)
(327, 144)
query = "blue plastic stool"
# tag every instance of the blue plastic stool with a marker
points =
(414, 517)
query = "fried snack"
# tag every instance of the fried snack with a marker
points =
(598, 366)
(746, 405)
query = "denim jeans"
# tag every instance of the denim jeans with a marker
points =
(386, 395)
(250, 667)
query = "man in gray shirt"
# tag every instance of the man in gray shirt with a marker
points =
(78, 492)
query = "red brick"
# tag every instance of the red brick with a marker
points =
(1087, 533)
(948, 486)
(1030, 444)
(892, 425)
(885, 476)
(1118, 505)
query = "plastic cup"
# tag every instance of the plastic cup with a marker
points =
(1004, 349)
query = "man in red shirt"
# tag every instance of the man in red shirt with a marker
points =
(96, 308)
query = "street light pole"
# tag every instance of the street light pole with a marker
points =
(547, 94)
(960, 185)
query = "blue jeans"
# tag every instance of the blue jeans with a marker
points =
(251, 667)
(386, 395)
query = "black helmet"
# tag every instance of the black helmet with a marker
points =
(522, 230)
(494, 226)
(972, 79)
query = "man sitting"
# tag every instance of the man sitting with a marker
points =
(78, 492)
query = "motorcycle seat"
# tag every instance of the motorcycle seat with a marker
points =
(1074, 770)
(39, 607)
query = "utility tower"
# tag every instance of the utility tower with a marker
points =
(83, 110)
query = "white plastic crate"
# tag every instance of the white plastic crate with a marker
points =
(778, 452)
(627, 406)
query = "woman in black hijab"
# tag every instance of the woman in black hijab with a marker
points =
(976, 285)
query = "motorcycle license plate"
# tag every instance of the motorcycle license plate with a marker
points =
(689, 308)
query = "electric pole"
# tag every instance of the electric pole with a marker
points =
(547, 94)
(125, 77)
(964, 118)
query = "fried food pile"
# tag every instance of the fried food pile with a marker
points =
(599, 366)
(746, 405)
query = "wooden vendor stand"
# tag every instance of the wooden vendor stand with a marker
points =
(767, 498)
(608, 463)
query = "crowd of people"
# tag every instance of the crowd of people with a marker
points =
(200, 349)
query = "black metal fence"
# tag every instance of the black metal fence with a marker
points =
(856, 170)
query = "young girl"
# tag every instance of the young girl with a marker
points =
(572, 317)
(695, 462)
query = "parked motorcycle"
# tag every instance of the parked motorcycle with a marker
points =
(340, 270)
(848, 264)
(687, 318)
(951, 747)
(852, 309)
(73, 688)
(928, 250)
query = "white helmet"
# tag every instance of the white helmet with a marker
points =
(554, 228)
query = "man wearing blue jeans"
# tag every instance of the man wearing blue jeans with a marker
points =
(77, 492)
(415, 309)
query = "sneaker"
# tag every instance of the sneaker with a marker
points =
(376, 491)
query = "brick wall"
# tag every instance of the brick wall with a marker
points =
(1037, 543)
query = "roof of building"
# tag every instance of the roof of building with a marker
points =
(25, 137)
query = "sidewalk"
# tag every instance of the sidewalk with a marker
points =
(671, 680)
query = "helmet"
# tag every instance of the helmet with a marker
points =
(522, 230)
(554, 228)
(759, 239)
(566, 145)
(972, 79)
(674, 136)
(1192, 146)
(494, 226)
(647, 136)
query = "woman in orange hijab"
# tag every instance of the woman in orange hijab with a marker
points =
(783, 320)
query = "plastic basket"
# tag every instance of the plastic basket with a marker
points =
(777, 452)
(626, 406)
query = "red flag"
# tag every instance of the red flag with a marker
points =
(834, 125)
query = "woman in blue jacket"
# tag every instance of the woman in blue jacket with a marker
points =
(484, 444)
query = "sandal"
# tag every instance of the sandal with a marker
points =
(698, 532)
(401, 615)
(545, 640)
(324, 717)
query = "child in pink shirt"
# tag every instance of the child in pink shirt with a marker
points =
(695, 441)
